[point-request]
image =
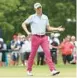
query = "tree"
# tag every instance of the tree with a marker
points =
(14, 12)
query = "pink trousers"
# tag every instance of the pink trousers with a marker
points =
(43, 42)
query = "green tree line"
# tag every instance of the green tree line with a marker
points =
(14, 12)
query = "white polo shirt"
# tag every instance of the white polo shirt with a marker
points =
(38, 23)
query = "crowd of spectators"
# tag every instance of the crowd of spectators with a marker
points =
(17, 51)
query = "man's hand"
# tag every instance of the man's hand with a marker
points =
(29, 34)
(60, 28)
(51, 28)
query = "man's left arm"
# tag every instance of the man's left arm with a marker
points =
(50, 28)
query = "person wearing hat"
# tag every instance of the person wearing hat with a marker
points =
(39, 23)
(15, 47)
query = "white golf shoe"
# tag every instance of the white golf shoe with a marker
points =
(54, 72)
(29, 73)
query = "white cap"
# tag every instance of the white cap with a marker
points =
(1, 39)
(37, 5)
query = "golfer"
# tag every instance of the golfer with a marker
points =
(39, 23)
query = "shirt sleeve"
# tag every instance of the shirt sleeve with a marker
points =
(47, 21)
(28, 20)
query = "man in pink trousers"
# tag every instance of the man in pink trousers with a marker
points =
(39, 23)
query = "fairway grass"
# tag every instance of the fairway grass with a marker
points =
(66, 71)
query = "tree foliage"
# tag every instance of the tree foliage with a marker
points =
(14, 12)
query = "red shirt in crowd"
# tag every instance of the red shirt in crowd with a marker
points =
(66, 48)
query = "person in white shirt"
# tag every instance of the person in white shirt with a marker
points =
(40, 56)
(39, 23)
(27, 49)
(54, 43)
(74, 53)
(22, 49)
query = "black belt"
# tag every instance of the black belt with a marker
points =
(39, 35)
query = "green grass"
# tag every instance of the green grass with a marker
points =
(66, 71)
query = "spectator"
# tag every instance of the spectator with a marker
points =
(4, 55)
(40, 56)
(74, 42)
(54, 45)
(66, 49)
(27, 49)
(22, 50)
(54, 42)
(15, 47)
(1, 47)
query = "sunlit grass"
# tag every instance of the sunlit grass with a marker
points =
(66, 71)
(38, 71)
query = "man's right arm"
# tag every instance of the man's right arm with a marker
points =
(24, 26)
